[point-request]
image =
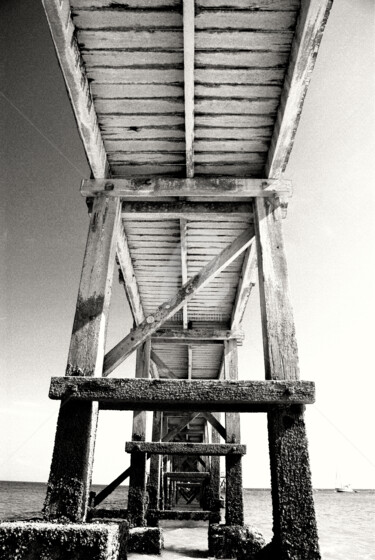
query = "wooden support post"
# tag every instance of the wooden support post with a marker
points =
(137, 497)
(295, 531)
(214, 485)
(233, 466)
(154, 483)
(71, 469)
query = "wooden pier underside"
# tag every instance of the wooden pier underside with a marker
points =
(188, 111)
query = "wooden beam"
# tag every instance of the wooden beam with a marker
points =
(181, 209)
(188, 25)
(184, 274)
(190, 363)
(162, 367)
(111, 487)
(245, 285)
(185, 475)
(180, 426)
(215, 423)
(177, 448)
(199, 395)
(310, 26)
(279, 338)
(128, 275)
(153, 322)
(192, 336)
(154, 187)
(64, 37)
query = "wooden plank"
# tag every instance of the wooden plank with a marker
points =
(172, 133)
(177, 448)
(103, 494)
(264, 76)
(312, 19)
(184, 272)
(63, 35)
(238, 146)
(279, 339)
(246, 20)
(139, 106)
(126, 4)
(171, 336)
(243, 40)
(128, 275)
(245, 285)
(177, 210)
(115, 18)
(189, 51)
(142, 370)
(190, 363)
(153, 322)
(250, 106)
(211, 418)
(171, 40)
(162, 367)
(86, 352)
(130, 58)
(169, 436)
(247, 4)
(201, 395)
(220, 186)
(135, 145)
(241, 59)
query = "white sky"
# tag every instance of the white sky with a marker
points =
(329, 236)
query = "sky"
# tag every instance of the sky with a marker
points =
(329, 235)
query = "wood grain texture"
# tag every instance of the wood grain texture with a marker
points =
(63, 35)
(245, 285)
(86, 352)
(189, 51)
(177, 448)
(210, 187)
(312, 19)
(151, 324)
(279, 339)
(154, 394)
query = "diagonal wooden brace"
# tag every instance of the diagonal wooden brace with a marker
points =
(153, 322)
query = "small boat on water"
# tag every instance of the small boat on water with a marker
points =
(345, 488)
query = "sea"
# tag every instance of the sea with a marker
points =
(346, 521)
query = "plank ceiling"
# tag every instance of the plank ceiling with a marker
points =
(187, 89)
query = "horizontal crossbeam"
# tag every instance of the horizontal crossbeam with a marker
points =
(187, 475)
(183, 209)
(153, 322)
(155, 187)
(169, 394)
(177, 448)
(175, 336)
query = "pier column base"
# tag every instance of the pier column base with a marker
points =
(235, 541)
(145, 540)
(294, 523)
(31, 540)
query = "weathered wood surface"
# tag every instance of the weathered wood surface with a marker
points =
(218, 427)
(184, 266)
(309, 31)
(188, 26)
(63, 35)
(86, 352)
(162, 367)
(187, 475)
(72, 461)
(153, 322)
(279, 339)
(181, 209)
(201, 395)
(177, 448)
(128, 276)
(99, 498)
(194, 335)
(245, 286)
(197, 187)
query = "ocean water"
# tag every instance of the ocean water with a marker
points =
(346, 522)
